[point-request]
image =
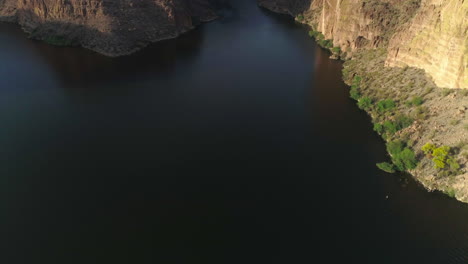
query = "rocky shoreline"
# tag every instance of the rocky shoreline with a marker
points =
(420, 112)
(112, 28)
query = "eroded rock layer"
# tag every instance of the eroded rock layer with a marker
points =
(436, 40)
(116, 27)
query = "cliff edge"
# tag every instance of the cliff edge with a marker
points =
(427, 34)
(113, 28)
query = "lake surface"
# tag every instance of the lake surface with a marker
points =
(235, 143)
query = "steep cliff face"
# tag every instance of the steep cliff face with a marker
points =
(351, 24)
(113, 28)
(436, 40)
(357, 24)
(427, 34)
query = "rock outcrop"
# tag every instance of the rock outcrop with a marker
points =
(113, 28)
(436, 40)
(427, 34)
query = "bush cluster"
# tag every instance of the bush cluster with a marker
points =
(365, 103)
(391, 127)
(385, 105)
(403, 158)
(441, 158)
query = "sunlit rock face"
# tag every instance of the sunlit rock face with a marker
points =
(436, 40)
(427, 34)
(116, 27)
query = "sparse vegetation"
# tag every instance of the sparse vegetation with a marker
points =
(446, 91)
(415, 101)
(454, 122)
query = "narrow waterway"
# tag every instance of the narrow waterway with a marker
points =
(235, 143)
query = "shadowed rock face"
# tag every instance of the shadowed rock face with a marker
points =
(113, 28)
(292, 7)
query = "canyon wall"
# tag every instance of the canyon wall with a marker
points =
(427, 34)
(436, 40)
(114, 28)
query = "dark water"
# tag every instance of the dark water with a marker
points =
(236, 143)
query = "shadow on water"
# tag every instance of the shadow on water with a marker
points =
(77, 67)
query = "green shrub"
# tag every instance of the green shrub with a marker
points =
(441, 158)
(378, 128)
(300, 17)
(385, 105)
(405, 160)
(390, 127)
(320, 36)
(395, 147)
(357, 79)
(402, 157)
(354, 92)
(403, 121)
(387, 167)
(336, 50)
(428, 148)
(453, 164)
(326, 43)
(420, 113)
(365, 103)
(450, 192)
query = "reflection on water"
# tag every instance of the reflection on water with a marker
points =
(235, 143)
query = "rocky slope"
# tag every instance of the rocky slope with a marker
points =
(114, 28)
(402, 50)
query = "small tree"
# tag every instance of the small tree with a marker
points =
(441, 157)
(428, 148)
(378, 128)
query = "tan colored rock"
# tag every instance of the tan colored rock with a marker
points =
(436, 40)
(116, 27)
(427, 34)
